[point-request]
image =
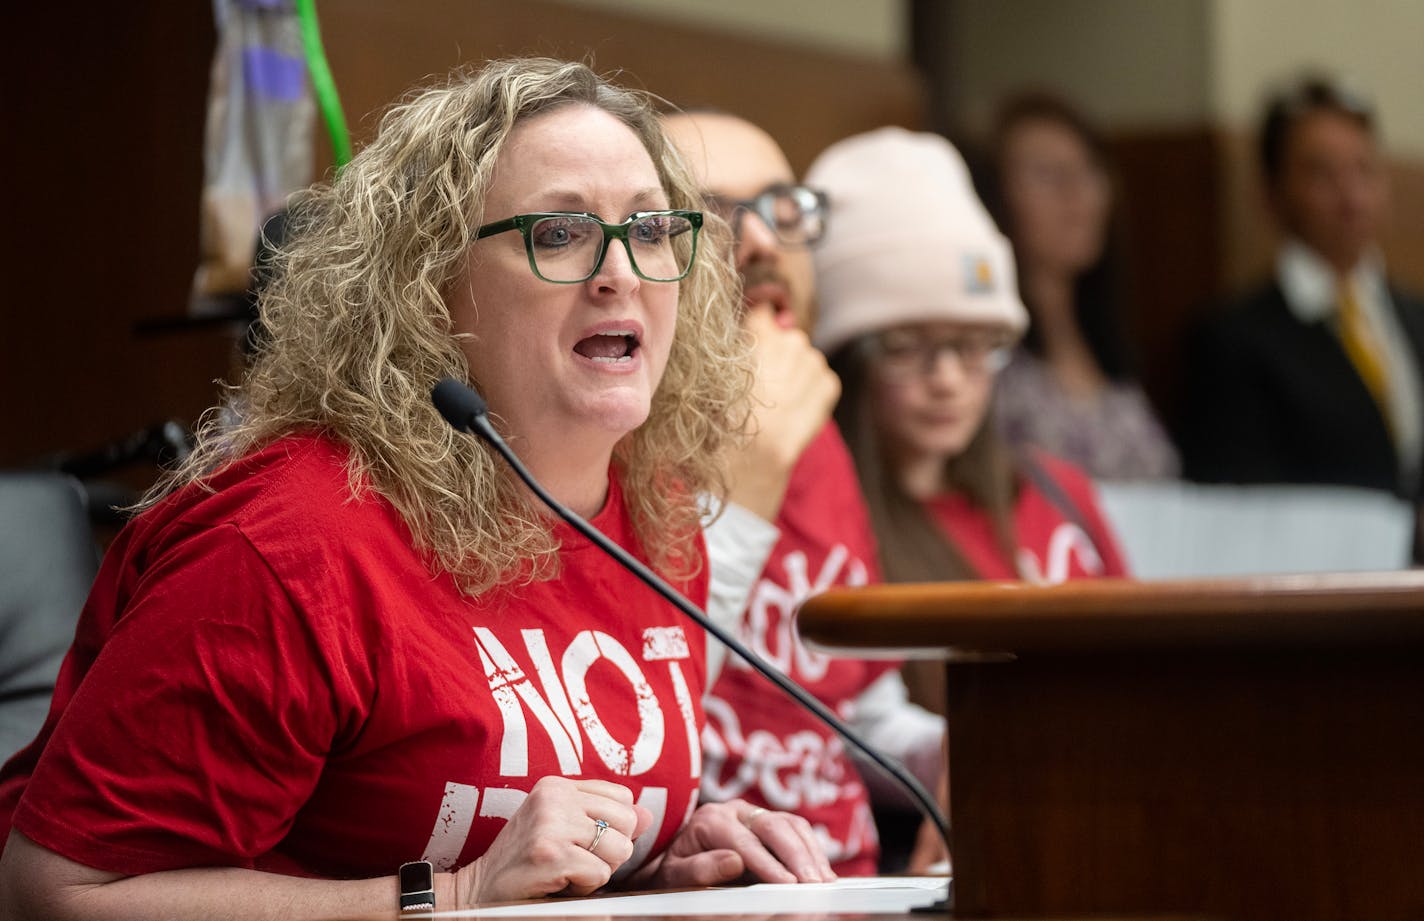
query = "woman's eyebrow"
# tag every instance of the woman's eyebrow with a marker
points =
(653, 193)
(645, 199)
(559, 199)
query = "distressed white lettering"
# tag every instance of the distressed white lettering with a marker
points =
(801, 770)
(553, 687)
(509, 685)
(661, 643)
(1066, 542)
(689, 718)
(588, 647)
(452, 825)
(666, 643)
(502, 802)
(769, 625)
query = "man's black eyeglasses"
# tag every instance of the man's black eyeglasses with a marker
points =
(795, 213)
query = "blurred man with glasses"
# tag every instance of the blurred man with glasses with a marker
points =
(796, 524)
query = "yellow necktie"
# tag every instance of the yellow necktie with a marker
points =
(1363, 348)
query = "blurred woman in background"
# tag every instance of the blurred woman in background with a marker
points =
(1069, 388)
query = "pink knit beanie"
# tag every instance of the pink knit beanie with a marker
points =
(907, 240)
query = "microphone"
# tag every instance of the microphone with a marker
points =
(467, 411)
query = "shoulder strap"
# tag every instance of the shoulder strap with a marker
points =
(1057, 496)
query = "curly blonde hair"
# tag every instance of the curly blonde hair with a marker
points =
(357, 330)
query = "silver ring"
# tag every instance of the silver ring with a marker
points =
(600, 827)
(751, 816)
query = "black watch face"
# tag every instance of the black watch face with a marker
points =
(417, 877)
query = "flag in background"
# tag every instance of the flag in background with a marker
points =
(258, 146)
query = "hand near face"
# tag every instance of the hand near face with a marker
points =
(544, 850)
(793, 397)
(725, 841)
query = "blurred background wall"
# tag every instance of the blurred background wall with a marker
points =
(1178, 85)
(104, 107)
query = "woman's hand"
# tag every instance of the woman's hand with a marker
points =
(723, 841)
(548, 847)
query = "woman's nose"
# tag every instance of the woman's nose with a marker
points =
(616, 273)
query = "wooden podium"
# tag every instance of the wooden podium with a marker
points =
(1246, 749)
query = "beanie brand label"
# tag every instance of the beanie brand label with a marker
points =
(978, 274)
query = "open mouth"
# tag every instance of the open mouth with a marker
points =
(612, 347)
(768, 292)
(763, 284)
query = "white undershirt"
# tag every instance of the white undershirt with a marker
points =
(739, 542)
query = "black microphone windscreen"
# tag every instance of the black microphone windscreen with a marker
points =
(458, 403)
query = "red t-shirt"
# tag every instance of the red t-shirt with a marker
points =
(269, 676)
(761, 746)
(1051, 547)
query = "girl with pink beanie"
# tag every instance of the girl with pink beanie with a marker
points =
(919, 310)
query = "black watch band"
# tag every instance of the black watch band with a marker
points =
(417, 886)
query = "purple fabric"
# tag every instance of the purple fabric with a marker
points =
(1114, 436)
(273, 75)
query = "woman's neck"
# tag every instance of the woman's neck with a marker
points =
(575, 475)
(1051, 295)
(921, 476)
(1065, 350)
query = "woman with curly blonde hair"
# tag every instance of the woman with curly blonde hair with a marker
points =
(342, 639)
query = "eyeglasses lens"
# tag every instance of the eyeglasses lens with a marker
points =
(905, 358)
(794, 213)
(568, 248)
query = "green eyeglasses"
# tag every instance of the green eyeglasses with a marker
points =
(567, 247)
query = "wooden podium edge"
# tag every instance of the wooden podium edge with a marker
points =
(968, 619)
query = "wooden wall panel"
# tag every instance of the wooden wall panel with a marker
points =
(104, 122)
(805, 97)
(1171, 249)
(104, 112)
(1404, 241)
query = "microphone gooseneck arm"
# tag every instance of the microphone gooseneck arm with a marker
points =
(466, 411)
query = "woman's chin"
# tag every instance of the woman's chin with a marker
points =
(945, 444)
(614, 414)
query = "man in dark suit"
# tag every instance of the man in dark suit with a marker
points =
(1315, 376)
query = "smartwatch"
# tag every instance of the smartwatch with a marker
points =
(417, 886)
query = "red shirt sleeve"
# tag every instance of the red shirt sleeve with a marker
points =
(200, 729)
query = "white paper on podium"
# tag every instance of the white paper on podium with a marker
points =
(852, 895)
